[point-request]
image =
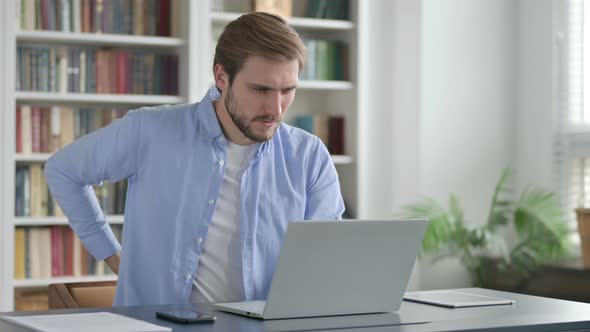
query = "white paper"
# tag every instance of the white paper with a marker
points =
(88, 322)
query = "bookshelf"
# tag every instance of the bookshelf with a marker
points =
(193, 31)
(94, 99)
(79, 38)
(51, 220)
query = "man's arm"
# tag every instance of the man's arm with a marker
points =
(113, 263)
(110, 154)
(324, 198)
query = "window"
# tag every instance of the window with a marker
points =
(573, 142)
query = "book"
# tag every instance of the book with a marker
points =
(28, 14)
(336, 135)
(309, 70)
(36, 182)
(68, 254)
(77, 254)
(67, 126)
(28, 240)
(36, 129)
(26, 133)
(328, 9)
(45, 116)
(19, 253)
(34, 252)
(19, 194)
(54, 129)
(76, 15)
(282, 8)
(57, 251)
(19, 133)
(330, 129)
(26, 192)
(44, 254)
(99, 321)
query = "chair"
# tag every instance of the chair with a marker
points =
(77, 295)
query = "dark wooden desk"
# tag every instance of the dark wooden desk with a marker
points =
(529, 313)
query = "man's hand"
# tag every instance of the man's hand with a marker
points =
(113, 263)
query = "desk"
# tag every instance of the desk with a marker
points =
(529, 313)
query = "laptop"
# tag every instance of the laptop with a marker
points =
(329, 268)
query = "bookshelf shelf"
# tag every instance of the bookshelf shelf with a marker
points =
(342, 159)
(54, 221)
(95, 98)
(296, 22)
(93, 39)
(24, 283)
(32, 158)
(320, 85)
(325, 85)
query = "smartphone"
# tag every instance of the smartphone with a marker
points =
(185, 316)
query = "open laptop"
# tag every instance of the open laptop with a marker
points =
(330, 268)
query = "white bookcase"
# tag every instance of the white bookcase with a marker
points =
(194, 28)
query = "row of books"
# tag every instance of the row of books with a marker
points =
(326, 60)
(89, 70)
(54, 251)
(133, 17)
(330, 129)
(328, 9)
(46, 129)
(32, 196)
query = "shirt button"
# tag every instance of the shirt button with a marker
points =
(200, 240)
(211, 202)
(188, 277)
(221, 162)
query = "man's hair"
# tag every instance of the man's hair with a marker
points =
(257, 34)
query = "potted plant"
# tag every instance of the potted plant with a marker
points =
(583, 219)
(535, 217)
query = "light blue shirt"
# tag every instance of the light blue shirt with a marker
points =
(173, 158)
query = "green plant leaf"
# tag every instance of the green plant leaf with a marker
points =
(539, 218)
(439, 228)
(536, 216)
(501, 207)
(455, 210)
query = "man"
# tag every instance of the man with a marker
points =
(212, 185)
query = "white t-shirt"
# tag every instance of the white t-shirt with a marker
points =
(219, 276)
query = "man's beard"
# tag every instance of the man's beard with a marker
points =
(241, 122)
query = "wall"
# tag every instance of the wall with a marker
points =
(375, 114)
(389, 136)
(536, 121)
(468, 99)
(441, 87)
(406, 103)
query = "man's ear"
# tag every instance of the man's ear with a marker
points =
(221, 77)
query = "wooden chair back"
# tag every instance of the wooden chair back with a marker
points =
(77, 295)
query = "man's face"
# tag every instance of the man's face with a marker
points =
(259, 96)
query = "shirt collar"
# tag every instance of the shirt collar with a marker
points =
(206, 113)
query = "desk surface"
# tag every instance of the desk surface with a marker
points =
(529, 313)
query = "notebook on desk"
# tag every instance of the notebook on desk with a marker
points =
(328, 268)
(454, 299)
